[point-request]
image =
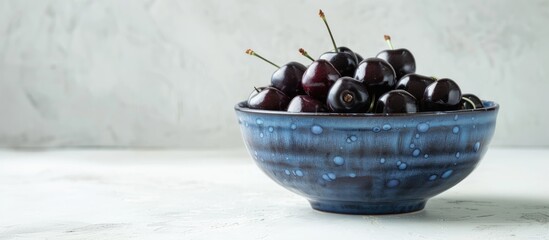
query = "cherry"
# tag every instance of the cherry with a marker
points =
(396, 101)
(442, 95)
(269, 98)
(344, 61)
(348, 95)
(401, 59)
(306, 103)
(318, 78)
(415, 84)
(286, 78)
(255, 92)
(348, 50)
(470, 101)
(377, 75)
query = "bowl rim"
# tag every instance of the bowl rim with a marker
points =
(491, 106)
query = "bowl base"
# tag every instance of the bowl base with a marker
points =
(367, 208)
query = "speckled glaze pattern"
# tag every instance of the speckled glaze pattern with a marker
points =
(367, 163)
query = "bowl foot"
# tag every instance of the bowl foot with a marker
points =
(367, 208)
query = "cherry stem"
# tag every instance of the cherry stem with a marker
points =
(469, 101)
(321, 14)
(348, 98)
(257, 90)
(434, 78)
(388, 40)
(251, 52)
(304, 53)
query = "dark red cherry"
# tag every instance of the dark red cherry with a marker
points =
(348, 95)
(377, 75)
(344, 62)
(470, 101)
(318, 78)
(415, 84)
(348, 50)
(343, 59)
(396, 101)
(401, 59)
(288, 79)
(255, 92)
(269, 98)
(306, 103)
(442, 95)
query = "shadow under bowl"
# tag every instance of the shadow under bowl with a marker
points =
(367, 163)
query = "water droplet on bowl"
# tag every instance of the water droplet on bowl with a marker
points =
(455, 130)
(382, 160)
(271, 129)
(416, 152)
(423, 127)
(458, 155)
(316, 129)
(293, 126)
(299, 173)
(287, 172)
(352, 175)
(402, 166)
(412, 145)
(386, 127)
(393, 183)
(376, 129)
(447, 173)
(434, 176)
(476, 147)
(259, 121)
(339, 160)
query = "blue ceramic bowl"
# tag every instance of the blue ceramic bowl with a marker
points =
(367, 163)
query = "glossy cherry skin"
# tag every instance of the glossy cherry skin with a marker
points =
(377, 75)
(288, 79)
(255, 92)
(348, 50)
(344, 62)
(401, 59)
(269, 98)
(348, 95)
(396, 101)
(467, 105)
(442, 95)
(306, 103)
(415, 84)
(318, 78)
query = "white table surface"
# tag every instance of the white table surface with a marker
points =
(113, 194)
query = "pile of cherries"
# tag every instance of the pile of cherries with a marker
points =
(343, 82)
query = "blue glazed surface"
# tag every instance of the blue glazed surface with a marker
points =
(367, 163)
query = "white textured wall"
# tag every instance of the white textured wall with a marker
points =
(167, 73)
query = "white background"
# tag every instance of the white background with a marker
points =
(168, 73)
